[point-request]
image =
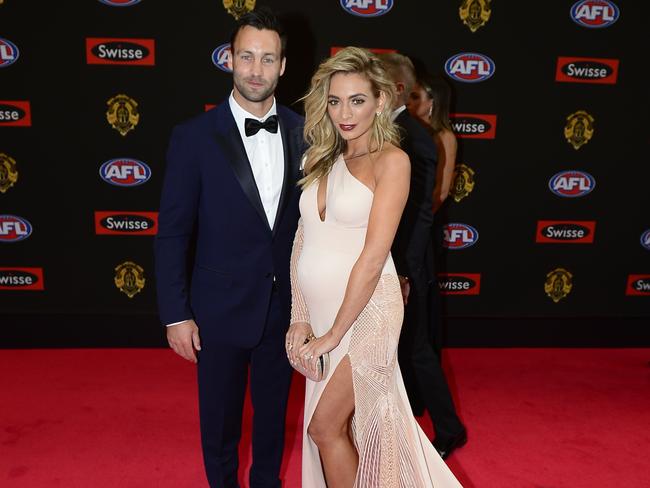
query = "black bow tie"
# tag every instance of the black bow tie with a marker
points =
(253, 126)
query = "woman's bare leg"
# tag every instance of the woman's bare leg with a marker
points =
(330, 428)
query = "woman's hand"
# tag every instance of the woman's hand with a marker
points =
(309, 353)
(295, 338)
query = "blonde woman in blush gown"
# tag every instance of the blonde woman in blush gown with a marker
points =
(359, 430)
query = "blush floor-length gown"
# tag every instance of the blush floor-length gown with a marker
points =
(393, 450)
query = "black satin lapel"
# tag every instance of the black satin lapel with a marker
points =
(233, 147)
(288, 179)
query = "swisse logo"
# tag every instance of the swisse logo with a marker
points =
(222, 57)
(126, 223)
(572, 184)
(458, 236)
(594, 13)
(459, 283)
(587, 70)
(8, 53)
(367, 8)
(14, 229)
(645, 239)
(566, 231)
(474, 126)
(638, 284)
(21, 279)
(120, 3)
(125, 172)
(138, 52)
(15, 113)
(470, 67)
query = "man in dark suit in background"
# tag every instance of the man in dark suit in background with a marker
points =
(231, 175)
(413, 255)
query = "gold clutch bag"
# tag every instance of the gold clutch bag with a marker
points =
(322, 365)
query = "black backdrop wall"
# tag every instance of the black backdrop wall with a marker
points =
(554, 229)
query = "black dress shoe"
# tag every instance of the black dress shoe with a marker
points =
(447, 447)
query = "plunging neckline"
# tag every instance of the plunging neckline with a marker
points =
(341, 160)
(323, 219)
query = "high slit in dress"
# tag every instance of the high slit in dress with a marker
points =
(393, 450)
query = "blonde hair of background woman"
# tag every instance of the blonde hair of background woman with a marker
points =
(325, 142)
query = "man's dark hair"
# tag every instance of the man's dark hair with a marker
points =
(261, 18)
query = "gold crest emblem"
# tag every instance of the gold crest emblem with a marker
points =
(122, 113)
(129, 278)
(558, 284)
(8, 172)
(579, 129)
(475, 13)
(463, 182)
(237, 8)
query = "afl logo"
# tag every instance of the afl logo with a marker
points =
(222, 58)
(367, 8)
(470, 67)
(459, 236)
(645, 239)
(125, 172)
(594, 14)
(8, 53)
(572, 184)
(120, 3)
(14, 229)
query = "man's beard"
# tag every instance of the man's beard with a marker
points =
(250, 95)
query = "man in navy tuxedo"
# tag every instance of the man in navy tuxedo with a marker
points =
(231, 178)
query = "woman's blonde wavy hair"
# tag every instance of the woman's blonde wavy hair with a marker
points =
(324, 140)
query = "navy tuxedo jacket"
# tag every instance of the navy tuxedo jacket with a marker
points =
(209, 189)
(413, 247)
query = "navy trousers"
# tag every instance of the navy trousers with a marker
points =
(424, 377)
(223, 371)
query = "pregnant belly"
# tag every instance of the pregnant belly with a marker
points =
(323, 277)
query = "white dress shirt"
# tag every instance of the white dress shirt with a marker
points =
(397, 111)
(266, 156)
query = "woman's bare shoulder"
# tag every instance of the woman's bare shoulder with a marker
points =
(391, 160)
(447, 138)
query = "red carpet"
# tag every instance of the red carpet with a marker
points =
(536, 418)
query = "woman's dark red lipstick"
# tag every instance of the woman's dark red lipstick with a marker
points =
(347, 127)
